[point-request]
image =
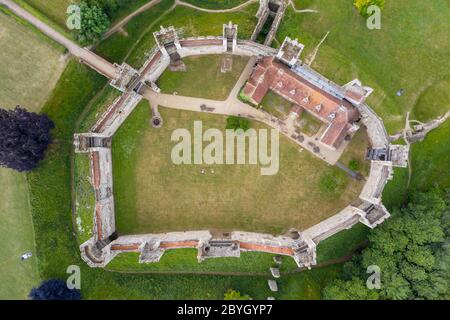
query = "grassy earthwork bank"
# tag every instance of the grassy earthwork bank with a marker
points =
(152, 194)
(31, 74)
(56, 10)
(214, 4)
(382, 58)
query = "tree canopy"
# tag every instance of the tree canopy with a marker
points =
(236, 123)
(94, 22)
(54, 289)
(24, 137)
(412, 251)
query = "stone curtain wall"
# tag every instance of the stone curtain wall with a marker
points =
(301, 246)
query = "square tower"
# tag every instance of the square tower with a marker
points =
(290, 51)
(230, 37)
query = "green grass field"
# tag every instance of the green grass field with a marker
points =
(55, 10)
(198, 70)
(185, 199)
(383, 58)
(196, 23)
(17, 237)
(276, 105)
(28, 76)
(185, 260)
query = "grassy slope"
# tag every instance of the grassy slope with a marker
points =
(188, 83)
(27, 75)
(54, 9)
(380, 58)
(17, 237)
(134, 286)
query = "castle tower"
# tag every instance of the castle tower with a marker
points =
(169, 44)
(229, 37)
(290, 51)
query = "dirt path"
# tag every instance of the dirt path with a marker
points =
(116, 27)
(237, 8)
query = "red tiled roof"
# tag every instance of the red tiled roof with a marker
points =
(272, 74)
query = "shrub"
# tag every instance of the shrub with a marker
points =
(235, 295)
(236, 123)
(362, 5)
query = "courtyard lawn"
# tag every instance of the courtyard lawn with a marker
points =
(203, 77)
(383, 58)
(17, 237)
(154, 195)
(308, 124)
(28, 75)
(354, 156)
(276, 105)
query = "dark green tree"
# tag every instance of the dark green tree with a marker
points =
(354, 289)
(94, 23)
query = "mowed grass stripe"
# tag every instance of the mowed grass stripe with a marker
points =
(30, 67)
(16, 237)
